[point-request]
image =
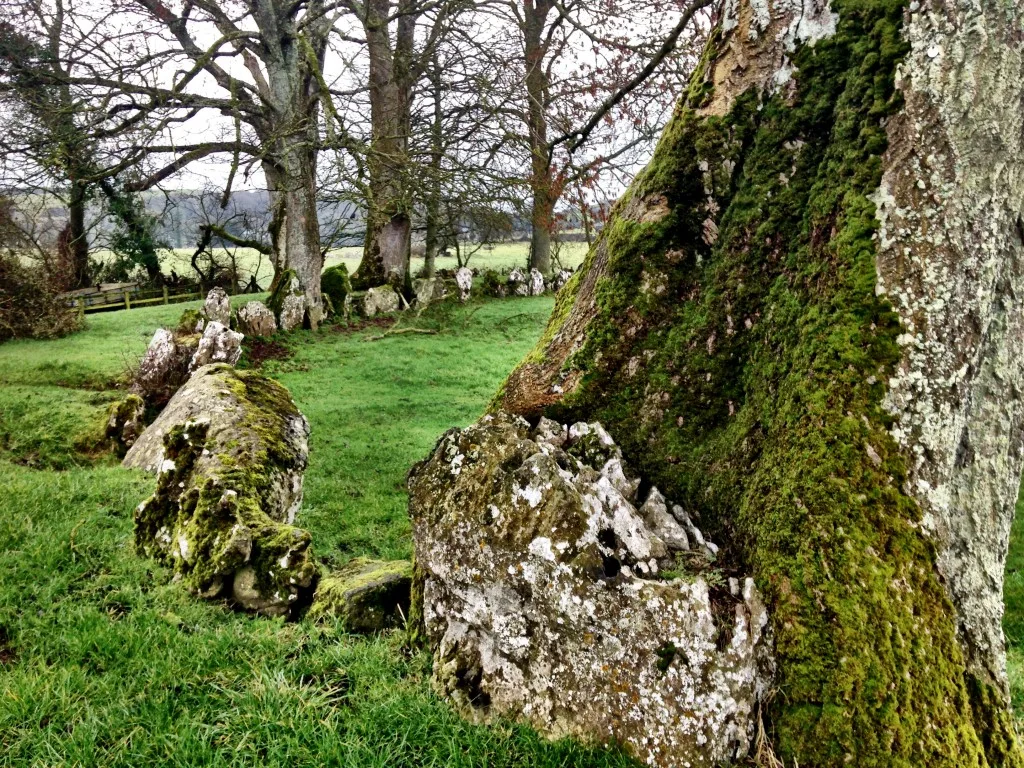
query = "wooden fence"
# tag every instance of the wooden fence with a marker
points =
(112, 296)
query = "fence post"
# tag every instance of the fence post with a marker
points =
(202, 293)
(81, 308)
(127, 302)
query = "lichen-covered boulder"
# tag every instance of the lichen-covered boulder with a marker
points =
(217, 307)
(379, 301)
(368, 595)
(536, 283)
(164, 367)
(545, 597)
(464, 279)
(229, 450)
(517, 283)
(218, 344)
(255, 319)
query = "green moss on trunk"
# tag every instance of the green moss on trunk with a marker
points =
(743, 373)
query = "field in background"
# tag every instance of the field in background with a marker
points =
(500, 256)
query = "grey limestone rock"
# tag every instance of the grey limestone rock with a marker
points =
(541, 599)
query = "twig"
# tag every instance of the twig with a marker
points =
(396, 331)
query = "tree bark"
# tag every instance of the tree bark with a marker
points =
(432, 201)
(74, 244)
(291, 135)
(537, 93)
(388, 221)
(804, 319)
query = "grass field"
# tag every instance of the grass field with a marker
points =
(105, 662)
(500, 256)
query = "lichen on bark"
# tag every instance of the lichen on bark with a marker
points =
(727, 330)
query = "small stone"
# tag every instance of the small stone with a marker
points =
(217, 307)
(164, 367)
(368, 595)
(256, 319)
(125, 422)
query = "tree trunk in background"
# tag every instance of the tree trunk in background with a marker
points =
(74, 244)
(804, 319)
(537, 94)
(432, 201)
(291, 137)
(388, 221)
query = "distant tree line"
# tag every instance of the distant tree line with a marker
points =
(364, 121)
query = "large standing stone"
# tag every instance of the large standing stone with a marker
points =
(379, 301)
(536, 283)
(293, 312)
(255, 319)
(541, 600)
(164, 367)
(464, 279)
(229, 450)
(219, 344)
(217, 308)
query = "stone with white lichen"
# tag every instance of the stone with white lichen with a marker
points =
(428, 290)
(217, 307)
(537, 284)
(464, 279)
(229, 451)
(561, 277)
(541, 600)
(218, 344)
(256, 319)
(164, 366)
(517, 283)
(293, 312)
(377, 301)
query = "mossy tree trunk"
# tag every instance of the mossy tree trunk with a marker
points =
(804, 319)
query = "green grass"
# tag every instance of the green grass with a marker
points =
(105, 662)
(1013, 619)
